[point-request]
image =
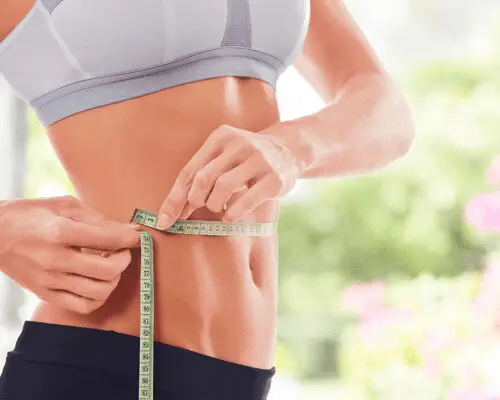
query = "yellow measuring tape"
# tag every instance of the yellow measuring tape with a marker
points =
(185, 227)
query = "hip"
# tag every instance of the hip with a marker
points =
(81, 363)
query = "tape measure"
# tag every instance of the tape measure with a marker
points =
(185, 227)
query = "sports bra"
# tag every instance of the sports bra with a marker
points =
(67, 56)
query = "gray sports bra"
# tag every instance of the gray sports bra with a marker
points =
(67, 56)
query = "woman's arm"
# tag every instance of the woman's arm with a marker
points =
(11, 13)
(366, 123)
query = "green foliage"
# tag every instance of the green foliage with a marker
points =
(43, 166)
(399, 222)
(427, 338)
(406, 218)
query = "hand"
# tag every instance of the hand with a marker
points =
(40, 249)
(230, 160)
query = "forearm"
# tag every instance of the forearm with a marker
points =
(367, 127)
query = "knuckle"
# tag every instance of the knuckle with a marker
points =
(262, 161)
(169, 204)
(70, 200)
(277, 180)
(102, 292)
(232, 215)
(221, 133)
(129, 238)
(105, 291)
(202, 179)
(108, 289)
(185, 176)
(86, 306)
(55, 230)
(246, 203)
(280, 181)
(127, 258)
(104, 221)
(223, 183)
(222, 130)
(242, 141)
(113, 284)
(18, 248)
(244, 149)
(46, 280)
(48, 261)
(214, 206)
(122, 263)
(195, 200)
(43, 294)
(118, 264)
(108, 273)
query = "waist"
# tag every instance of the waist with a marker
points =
(214, 295)
(127, 155)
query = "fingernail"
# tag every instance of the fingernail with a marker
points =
(134, 226)
(163, 221)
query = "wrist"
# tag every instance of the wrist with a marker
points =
(297, 138)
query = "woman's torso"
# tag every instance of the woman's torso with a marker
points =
(214, 295)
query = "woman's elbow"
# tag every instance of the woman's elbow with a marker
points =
(405, 137)
(398, 142)
(394, 119)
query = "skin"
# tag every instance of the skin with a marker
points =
(215, 295)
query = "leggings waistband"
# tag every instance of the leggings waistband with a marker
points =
(176, 369)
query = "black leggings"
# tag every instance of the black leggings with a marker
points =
(59, 362)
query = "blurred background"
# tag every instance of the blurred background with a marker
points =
(388, 281)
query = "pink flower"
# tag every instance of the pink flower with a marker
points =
(437, 339)
(470, 393)
(390, 317)
(363, 298)
(487, 300)
(483, 211)
(433, 367)
(375, 327)
(493, 172)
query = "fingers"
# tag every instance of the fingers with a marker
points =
(187, 210)
(186, 196)
(177, 198)
(69, 261)
(229, 183)
(66, 232)
(92, 289)
(173, 205)
(82, 282)
(227, 162)
(70, 301)
(205, 178)
(263, 190)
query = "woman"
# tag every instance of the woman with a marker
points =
(170, 106)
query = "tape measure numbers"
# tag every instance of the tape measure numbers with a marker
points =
(185, 227)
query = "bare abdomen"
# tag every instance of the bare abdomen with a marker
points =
(214, 295)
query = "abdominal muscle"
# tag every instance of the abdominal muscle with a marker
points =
(213, 295)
